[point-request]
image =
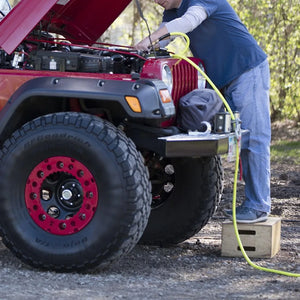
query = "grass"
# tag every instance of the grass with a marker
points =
(286, 150)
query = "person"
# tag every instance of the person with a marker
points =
(4, 8)
(239, 68)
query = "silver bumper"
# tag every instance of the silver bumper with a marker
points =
(185, 145)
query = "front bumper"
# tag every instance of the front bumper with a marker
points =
(185, 145)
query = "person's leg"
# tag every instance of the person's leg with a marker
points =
(249, 94)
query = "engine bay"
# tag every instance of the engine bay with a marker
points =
(42, 52)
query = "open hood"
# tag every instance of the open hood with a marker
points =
(80, 21)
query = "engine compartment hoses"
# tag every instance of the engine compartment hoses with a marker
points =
(238, 135)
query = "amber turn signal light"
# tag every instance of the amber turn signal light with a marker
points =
(134, 103)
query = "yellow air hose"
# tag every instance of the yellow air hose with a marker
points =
(182, 56)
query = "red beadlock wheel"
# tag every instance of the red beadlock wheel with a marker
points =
(74, 192)
(61, 195)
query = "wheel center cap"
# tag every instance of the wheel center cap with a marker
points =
(67, 194)
(70, 194)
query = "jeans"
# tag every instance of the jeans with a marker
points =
(249, 95)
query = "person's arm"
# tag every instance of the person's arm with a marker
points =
(4, 8)
(193, 17)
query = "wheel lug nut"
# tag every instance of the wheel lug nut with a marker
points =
(63, 225)
(33, 196)
(169, 169)
(83, 216)
(80, 173)
(41, 174)
(43, 217)
(60, 165)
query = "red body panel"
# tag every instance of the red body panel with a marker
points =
(77, 20)
(11, 80)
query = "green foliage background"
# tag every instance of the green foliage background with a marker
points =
(274, 23)
(276, 26)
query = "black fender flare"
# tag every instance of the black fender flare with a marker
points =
(108, 90)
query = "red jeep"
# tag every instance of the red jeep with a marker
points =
(91, 159)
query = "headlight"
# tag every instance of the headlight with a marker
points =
(167, 77)
(201, 79)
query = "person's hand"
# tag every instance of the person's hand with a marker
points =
(143, 45)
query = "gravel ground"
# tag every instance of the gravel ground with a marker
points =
(194, 269)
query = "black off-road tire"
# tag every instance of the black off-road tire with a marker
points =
(74, 192)
(186, 192)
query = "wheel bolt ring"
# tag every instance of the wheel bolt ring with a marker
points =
(34, 186)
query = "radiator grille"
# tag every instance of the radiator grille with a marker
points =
(185, 79)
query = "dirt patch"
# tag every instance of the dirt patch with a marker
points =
(194, 269)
